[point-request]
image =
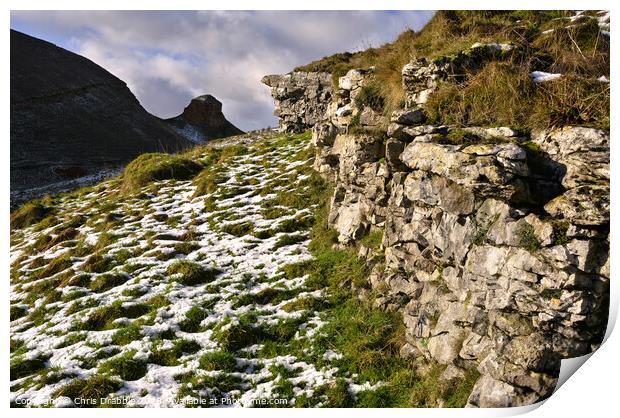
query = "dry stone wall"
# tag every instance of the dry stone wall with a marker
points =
(495, 245)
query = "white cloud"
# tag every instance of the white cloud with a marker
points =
(168, 57)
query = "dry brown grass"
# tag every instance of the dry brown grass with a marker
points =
(498, 95)
(502, 94)
(494, 95)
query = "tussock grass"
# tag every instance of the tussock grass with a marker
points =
(502, 94)
(576, 49)
(93, 389)
(103, 317)
(192, 274)
(155, 166)
(126, 335)
(21, 367)
(218, 360)
(125, 366)
(29, 214)
(193, 318)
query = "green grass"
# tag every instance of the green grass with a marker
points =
(124, 366)
(126, 335)
(29, 214)
(21, 367)
(218, 360)
(102, 317)
(496, 95)
(170, 357)
(193, 318)
(237, 336)
(94, 388)
(17, 312)
(57, 265)
(286, 240)
(238, 229)
(192, 274)
(373, 239)
(107, 281)
(98, 263)
(156, 166)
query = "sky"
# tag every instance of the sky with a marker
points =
(168, 57)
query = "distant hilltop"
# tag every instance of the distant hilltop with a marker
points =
(203, 120)
(71, 120)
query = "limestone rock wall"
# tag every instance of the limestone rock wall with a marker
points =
(495, 246)
(301, 98)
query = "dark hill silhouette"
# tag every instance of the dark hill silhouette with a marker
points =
(203, 120)
(70, 118)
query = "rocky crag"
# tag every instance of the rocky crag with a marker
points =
(495, 243)
(301, 98)
(203, 120)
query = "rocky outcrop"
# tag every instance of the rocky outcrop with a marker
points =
(71, 118)
(421, 76)
(203, 120)
(495, 246)
(301, 98)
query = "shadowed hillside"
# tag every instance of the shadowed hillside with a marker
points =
(71, 118)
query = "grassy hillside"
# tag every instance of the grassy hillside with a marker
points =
(170, 284)
(500, 94)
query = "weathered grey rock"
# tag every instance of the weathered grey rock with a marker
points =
(437, 190)
(583, 205)
(492, 393)
(494, 170)
(472, 233)
(491, 133)
(486, 260)
(584, 153)
(301, 98)
(354, 78)
(354, 150)
(514, 233)
(324, 134)
(407, 133)
(350, 223)
(393, 149)
(371, 119)
(447, 339)
(408, 117)
(452, 373)
(453, 236)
